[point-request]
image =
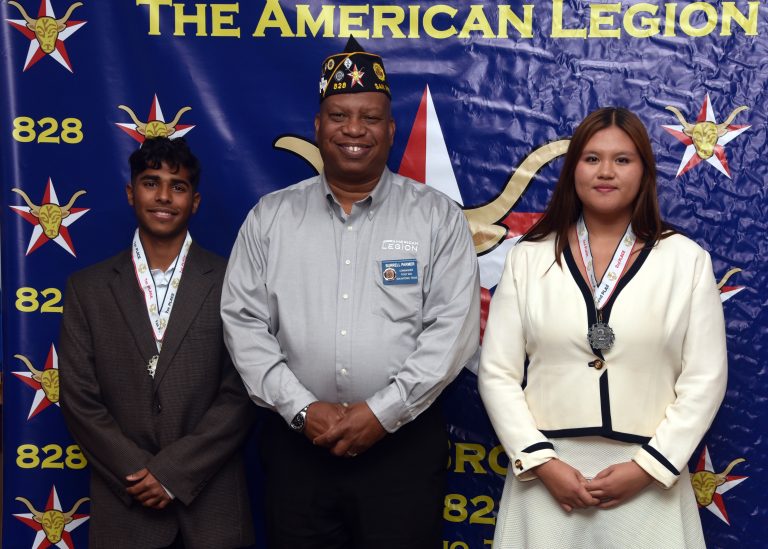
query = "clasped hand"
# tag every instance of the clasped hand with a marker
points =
(612, 486)
(344, 431)
(147, 490)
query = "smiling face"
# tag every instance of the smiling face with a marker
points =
(354, 133)
(608, 174)
(163, 201)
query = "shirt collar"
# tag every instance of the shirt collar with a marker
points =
(373, 200)
(162, 276)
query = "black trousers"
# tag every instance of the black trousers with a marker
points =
(390, 497)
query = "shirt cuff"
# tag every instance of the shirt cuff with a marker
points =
(167, 491)
(295, 403)
(389, 408)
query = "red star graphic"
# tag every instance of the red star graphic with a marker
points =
(35, 52)
(718, 159)
(39, 237)
(717, 507)
(155, 114)
(727, 292)
(356, 75)
(40, 401)
(426, 160)
(41, 541)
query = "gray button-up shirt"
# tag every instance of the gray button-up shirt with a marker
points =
(380, 305)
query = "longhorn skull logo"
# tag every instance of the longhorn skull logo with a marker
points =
(706, 482)
(48, 379)
(52, 520)
(155, 128)
(50, 215)
(705, 134)
(46, 28)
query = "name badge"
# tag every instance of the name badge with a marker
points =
(400, 271)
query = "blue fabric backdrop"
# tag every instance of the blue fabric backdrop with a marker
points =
(483, 95)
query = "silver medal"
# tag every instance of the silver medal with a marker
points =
(601, 336)
(152, 365)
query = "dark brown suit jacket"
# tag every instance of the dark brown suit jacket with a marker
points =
(186, 426)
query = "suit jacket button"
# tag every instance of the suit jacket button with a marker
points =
(597, 364)
(519, 464)
(159, 408)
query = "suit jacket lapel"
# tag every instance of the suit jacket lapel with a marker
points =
(125, 288)
(196, 284)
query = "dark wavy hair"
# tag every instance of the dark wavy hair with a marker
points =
(565, 206)
(173, 152)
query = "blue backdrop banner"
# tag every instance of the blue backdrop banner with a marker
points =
(485, 97)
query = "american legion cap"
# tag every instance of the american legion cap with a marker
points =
(353, 71)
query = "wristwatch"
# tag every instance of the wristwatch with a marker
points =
(299, 420)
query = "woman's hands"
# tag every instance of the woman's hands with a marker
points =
(566, 484)
(611, 487)
(618, 483)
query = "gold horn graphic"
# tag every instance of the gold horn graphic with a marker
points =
(141, 127)
(722, 128)
(62, 21)
(37, 514)
(483, 221)
(687, 126)
(34, 209)
(170, 127)
(65, 210)
(303, 149)
(30, 22)
(35, 372)
(726, 276)
(77, 504)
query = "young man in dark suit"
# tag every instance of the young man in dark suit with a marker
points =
(147, 387)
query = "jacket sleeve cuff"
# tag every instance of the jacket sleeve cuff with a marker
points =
(527, 459)
(655, 464)
(173, 480)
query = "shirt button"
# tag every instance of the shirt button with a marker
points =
(343, 371)
(347, 262)
(345, 404)
(345, 296)
(343, 332)
(350, 228)
(398, 424)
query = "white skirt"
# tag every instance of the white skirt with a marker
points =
(657, 518)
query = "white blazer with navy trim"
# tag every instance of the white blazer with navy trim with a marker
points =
(660, 385)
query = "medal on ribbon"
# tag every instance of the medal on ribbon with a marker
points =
(600, 335)
(159, 311)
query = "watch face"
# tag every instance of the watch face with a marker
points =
(297, 424)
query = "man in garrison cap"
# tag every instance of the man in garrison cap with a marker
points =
(351, 300)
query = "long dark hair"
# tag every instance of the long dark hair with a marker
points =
(565, 206)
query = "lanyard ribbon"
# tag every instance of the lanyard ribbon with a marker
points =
(159, 311)
(602, 290)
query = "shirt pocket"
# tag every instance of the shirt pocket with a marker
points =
(395, 302)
